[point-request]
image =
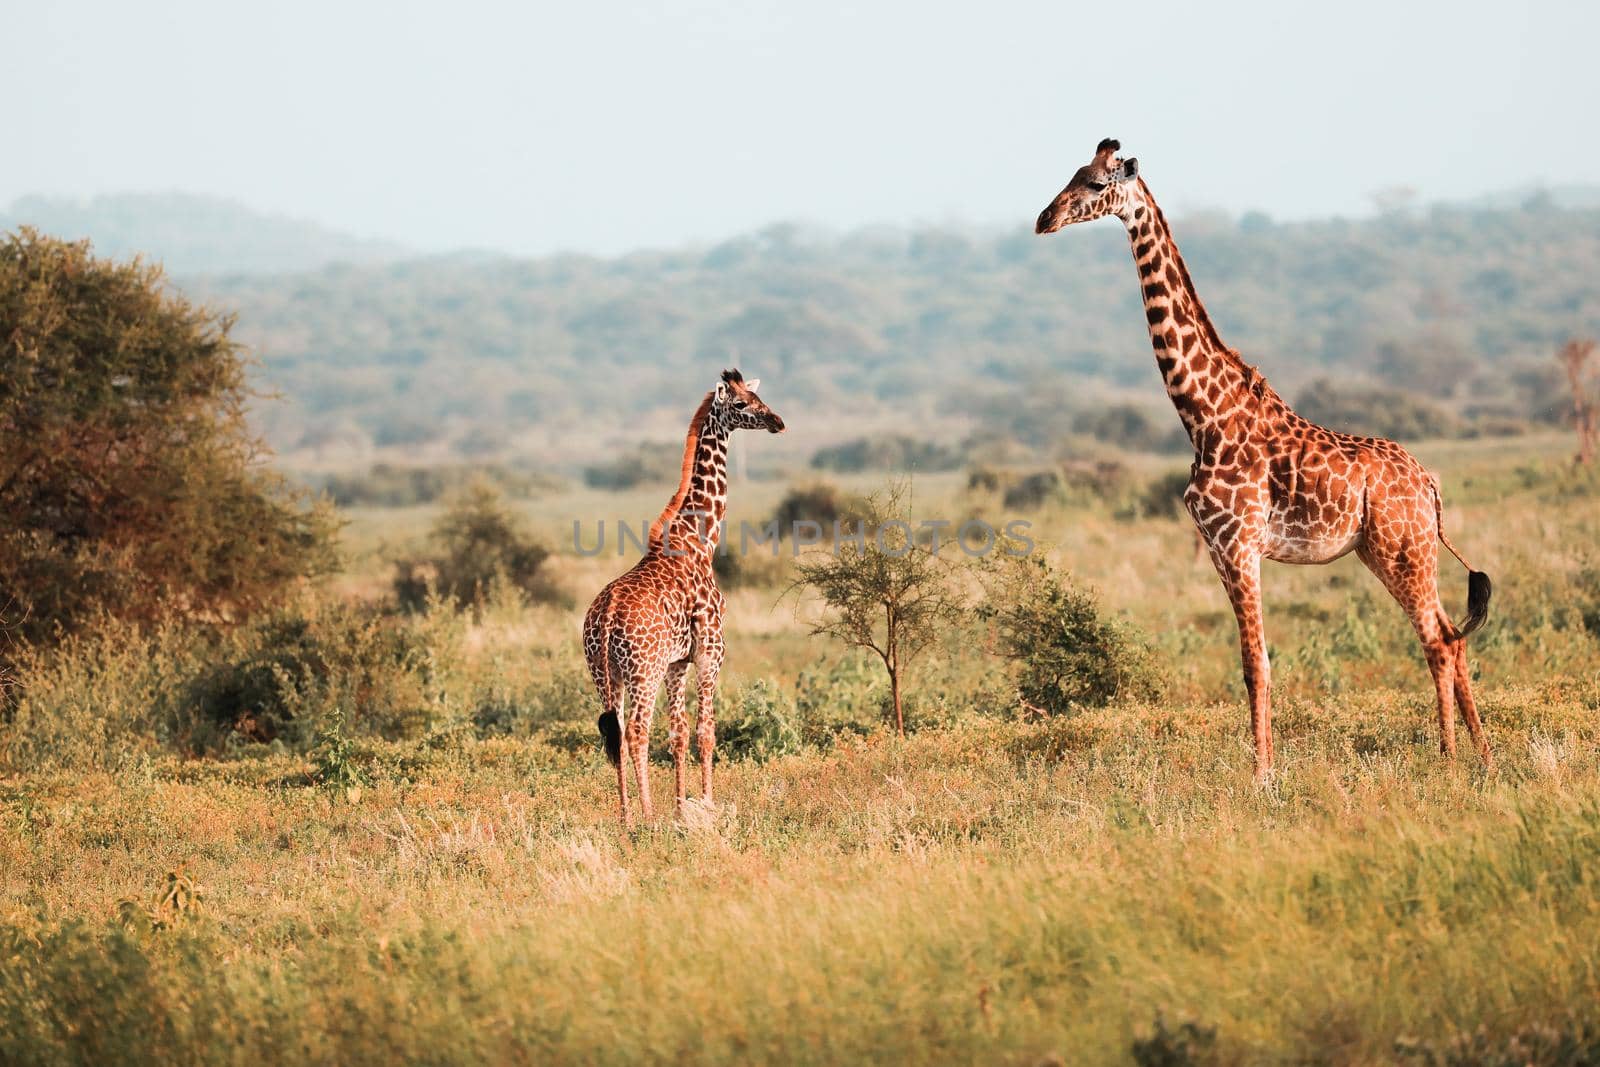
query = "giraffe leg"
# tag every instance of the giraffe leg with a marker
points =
(678, 726)
(707, 669)
(1406, 569)
(1241, 577)
(1469, 706)
(622, 770)
(642, 706)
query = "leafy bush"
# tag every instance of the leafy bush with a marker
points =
(105, 697)
(1375, 411)
(566, 693)
(1067, 654)
(1096, 480)
(479, 544)
(334, 757)
(1189, 1044)
(290, 675)
(820, 503)
(756, 569)
(130, 485)
(848, 696)
(1163, 497)
(646, 464)
(985, 480)
(1032, 490)
(118, 693)
(1585, 595)
(1130, 427)
(763, 725)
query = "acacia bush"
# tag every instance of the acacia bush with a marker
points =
(821, 503)
(291, 675)
(478, 545)
(130, 485)
(892, 595)
(1068, 655)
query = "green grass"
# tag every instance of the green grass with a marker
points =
(989, 890)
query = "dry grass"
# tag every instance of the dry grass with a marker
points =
(988, 891)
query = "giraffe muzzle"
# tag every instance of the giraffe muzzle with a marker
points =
(776, 425)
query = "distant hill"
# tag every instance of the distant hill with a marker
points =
(196, 234)
(941, 332)
(1568, 197)
(949, 334)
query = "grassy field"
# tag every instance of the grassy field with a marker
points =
(442, 879)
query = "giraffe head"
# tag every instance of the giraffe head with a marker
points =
(1105, 186)
(735, 403)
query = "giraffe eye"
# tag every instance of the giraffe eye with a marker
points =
(740, 405)
(1097, 186)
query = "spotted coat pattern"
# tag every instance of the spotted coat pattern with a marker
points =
(1268, 484)
(649, 625)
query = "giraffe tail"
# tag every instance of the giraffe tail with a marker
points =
(609, 723)
(1478, 585)
(611, 735)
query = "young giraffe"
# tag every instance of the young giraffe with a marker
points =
(1265, 482)
(665, 613)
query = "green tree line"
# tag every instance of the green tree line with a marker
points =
(1461, 308)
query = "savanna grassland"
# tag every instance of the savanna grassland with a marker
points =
(417, 859)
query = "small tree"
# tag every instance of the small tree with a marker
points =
(130, 484)
(887, 594)
(1585, 404)
(1069, 655)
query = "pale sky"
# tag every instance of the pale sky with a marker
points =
(606, 125)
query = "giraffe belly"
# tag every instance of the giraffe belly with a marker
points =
(1311, 542)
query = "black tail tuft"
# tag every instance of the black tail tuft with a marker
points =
(1478, 589)
(611, 733)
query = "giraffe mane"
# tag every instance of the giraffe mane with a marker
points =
(658, 528)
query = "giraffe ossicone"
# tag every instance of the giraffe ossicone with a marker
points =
(665, 614)
(1268, 484)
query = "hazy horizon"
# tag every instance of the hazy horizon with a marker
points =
(615, 126)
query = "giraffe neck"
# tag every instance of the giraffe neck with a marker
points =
(1206, 380)
(691, 524)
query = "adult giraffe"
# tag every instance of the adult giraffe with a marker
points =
(1265, 482)
(665, 613)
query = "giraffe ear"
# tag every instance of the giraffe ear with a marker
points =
(753, 384)
(1129, 171)
(722, 391)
